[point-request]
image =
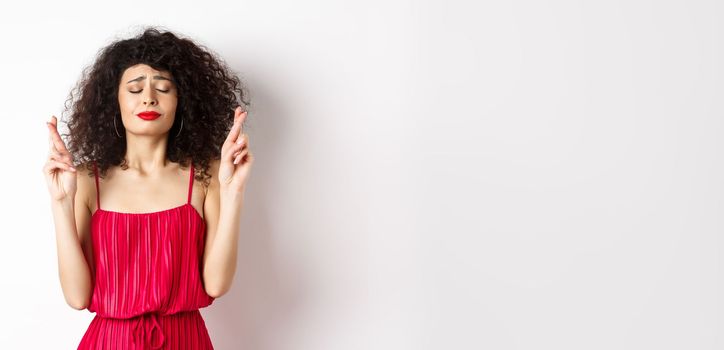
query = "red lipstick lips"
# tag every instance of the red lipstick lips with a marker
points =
(148, 115)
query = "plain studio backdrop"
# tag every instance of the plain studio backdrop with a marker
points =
(429, 175)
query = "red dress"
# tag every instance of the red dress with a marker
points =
(147, 288)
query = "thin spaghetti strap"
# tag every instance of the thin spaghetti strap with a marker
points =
(98, 191)
(191, 182)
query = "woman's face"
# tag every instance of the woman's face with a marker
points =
(144, 89)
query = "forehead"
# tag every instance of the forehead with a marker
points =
(143, 69)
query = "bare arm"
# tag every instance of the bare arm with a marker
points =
(223, 205)
(73, 267)
(222, 212)
(69, 208)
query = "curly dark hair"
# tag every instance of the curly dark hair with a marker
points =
(207, 94)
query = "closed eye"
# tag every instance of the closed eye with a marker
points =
(136, 92)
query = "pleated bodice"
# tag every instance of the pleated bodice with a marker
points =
(148, 262)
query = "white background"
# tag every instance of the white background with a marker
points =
(429, 175)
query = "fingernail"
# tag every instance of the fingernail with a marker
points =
(239, 141)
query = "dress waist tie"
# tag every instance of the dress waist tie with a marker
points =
(143, 330)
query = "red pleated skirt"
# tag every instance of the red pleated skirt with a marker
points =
(182, 330)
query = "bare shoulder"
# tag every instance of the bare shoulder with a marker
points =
(86, 188)
(211, 200)
(214, 173)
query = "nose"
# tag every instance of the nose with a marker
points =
(149, 99)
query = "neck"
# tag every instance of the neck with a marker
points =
(146, 154)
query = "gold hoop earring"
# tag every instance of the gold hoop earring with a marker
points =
(179, 129)
(115, 127)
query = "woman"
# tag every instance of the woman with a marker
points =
(151, 125)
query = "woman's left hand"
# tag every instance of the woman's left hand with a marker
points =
(236, 159)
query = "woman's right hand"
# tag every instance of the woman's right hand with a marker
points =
(59, 172)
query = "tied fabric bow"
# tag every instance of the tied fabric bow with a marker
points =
(140, 325)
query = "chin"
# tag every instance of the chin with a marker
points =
(154, 132)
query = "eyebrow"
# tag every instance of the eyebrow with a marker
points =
(157, 77)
